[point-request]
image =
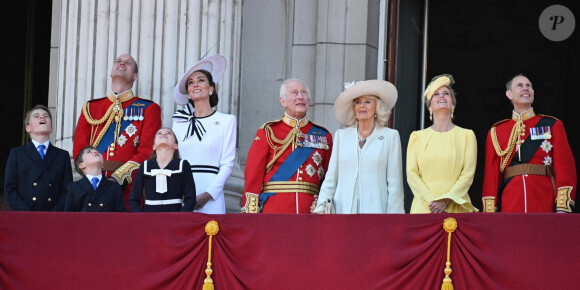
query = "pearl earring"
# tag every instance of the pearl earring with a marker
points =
(452, 114)
(211, 93)
(431, 115)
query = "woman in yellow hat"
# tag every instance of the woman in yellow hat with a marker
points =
(441, 159)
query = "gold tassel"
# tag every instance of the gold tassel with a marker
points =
(449, 225)
(211, 228)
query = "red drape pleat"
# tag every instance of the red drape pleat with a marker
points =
(279, 251)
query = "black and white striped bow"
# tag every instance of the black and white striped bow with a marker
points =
(186, 115)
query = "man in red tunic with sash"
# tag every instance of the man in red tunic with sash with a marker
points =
(288, 158)
(529, 166)
(121, 125)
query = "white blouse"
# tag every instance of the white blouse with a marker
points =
(212, 157)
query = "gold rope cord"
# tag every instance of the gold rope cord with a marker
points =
(211, 228)
(505, 154)
(449, 225)
(291, 138)
(115, 112)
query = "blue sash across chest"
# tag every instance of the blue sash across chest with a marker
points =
(292, 163)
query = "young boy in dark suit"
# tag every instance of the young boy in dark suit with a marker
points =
(37, 173)
(93, 193)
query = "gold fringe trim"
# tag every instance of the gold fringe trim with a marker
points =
(449, 225)
(211, 228)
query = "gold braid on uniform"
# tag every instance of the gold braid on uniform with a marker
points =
(115, 112)
(291, 138)
(505, 154)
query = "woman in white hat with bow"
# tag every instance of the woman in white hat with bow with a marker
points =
(441, 159)
(365, 173)
(207, 137)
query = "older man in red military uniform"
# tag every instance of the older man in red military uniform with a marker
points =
(121, 125)
(288, 158)
(529, 166)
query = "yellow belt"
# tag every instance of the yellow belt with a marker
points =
(291, 186)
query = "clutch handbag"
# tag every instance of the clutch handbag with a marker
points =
(329, 206)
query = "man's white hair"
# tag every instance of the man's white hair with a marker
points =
(283, 87)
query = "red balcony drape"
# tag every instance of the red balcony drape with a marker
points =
(270, 251)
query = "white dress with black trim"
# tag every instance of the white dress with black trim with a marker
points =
(209, 144)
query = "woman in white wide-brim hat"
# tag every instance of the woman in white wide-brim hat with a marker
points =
(441, 159)
(364, 174)
(207, 138)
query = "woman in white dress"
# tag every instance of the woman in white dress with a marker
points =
(207, 137)
(364, 174)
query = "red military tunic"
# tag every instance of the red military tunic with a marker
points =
(523, 189)
(295, 194)
(127, 141)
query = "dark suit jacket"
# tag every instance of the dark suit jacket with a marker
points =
(32, 183)
(82, 196)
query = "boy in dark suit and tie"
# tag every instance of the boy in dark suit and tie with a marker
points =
(37, 173)
(93, 192)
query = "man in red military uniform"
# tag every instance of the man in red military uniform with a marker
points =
(529, 166)
(288, 158)
(121, 125)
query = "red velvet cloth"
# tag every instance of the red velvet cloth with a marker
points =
(279, 251)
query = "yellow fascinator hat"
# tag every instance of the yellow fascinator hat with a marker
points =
(436, 83)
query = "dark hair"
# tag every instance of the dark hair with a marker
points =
(79, 158)
(37, 107)
(213, 98)
(508, 85)
(175, 153)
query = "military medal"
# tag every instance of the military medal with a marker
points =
(546, 146)
(313, 141)
(539, 133)
(310, 170)
(131, 130)
(126, 118)
(121, 140)
(317, 158)
(141, 114)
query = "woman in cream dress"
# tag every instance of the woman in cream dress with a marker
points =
(365, 170)
(441, 159)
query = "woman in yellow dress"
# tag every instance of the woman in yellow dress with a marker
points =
(441, 159)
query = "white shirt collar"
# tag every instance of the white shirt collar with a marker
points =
(36, 143)
(90, 177)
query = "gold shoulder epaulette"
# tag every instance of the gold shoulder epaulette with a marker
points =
(146, 100)
(502, 121)
(548, 116)
(314, 124)
(268, 123)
